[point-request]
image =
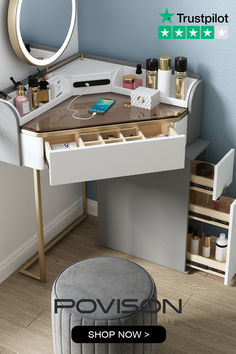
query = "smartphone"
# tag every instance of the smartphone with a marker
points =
(102, 105)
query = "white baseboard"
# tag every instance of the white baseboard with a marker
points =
(29, 248)
(92, 207)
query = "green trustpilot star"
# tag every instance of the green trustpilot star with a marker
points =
(164, 32)
(193, 32)
(166, 16)
(207, 32)
(179, 32)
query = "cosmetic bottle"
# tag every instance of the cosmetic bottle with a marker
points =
(22, 101)
(165, 76)
(33, 93)
(221, 248)
(190, 235)
(43, 91)
(4, 96)
(206, 250)
(195, 241)
(129, 82)
(151, 73)
(139, 76)
(180, 77)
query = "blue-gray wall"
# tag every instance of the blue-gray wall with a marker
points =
(128, 29)
(45, 22)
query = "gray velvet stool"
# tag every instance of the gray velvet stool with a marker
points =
(103, 278)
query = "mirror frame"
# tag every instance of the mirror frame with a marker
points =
(16, 40)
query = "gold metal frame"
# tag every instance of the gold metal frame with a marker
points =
(14, 39)
(42, 250)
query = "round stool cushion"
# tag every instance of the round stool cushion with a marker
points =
(96, 285)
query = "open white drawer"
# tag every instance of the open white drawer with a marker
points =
(220, 179)
(108, 153)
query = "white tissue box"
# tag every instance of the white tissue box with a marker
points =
(144, 97)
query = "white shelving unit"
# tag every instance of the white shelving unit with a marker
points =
(209, 207)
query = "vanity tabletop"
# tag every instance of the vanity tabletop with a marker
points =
(59, 118)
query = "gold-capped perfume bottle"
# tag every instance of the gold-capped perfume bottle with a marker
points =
(43, 91)
(33, 93)
(151, 73)
(180, 77)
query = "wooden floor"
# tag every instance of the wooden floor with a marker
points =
(207, 324)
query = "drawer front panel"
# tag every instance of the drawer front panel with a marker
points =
(224, 171)
(116, 160)
(220, 179)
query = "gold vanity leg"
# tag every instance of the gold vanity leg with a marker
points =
(39, 217)
(39, 220)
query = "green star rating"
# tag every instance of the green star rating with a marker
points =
(179, 32)
(186, 32)
(166, 16)
(164, 32)
(207, 32)
(193, 32)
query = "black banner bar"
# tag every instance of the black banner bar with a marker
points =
(118, 334)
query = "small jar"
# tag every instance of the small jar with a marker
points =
(129, 82)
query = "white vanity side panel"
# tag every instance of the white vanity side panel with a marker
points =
(231, 253)
(116, 160)
(9, 134)
(32, 152)
(224, 171)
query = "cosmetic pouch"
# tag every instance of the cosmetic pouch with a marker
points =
(144, 97)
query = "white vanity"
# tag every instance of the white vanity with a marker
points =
(141, 158)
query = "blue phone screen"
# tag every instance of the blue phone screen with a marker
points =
(102, 105)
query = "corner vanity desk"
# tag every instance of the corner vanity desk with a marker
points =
(144, 162)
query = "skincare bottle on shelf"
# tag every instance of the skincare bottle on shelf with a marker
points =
(221, 248)
(22, 101)
(206, 250)
(43, 91)
(195, 241)
(151, 73)
(165, 76)
(180, 77)
(33, 93)
(139, 76)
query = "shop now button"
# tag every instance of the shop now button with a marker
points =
(118, 334)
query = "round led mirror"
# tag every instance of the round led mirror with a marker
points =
(40, 30)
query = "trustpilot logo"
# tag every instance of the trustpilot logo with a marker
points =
(210, 26)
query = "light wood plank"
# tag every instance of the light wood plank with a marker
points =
(22, 340)
(209, 212)
(5, 351)
(208, 222)
(176, 344)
